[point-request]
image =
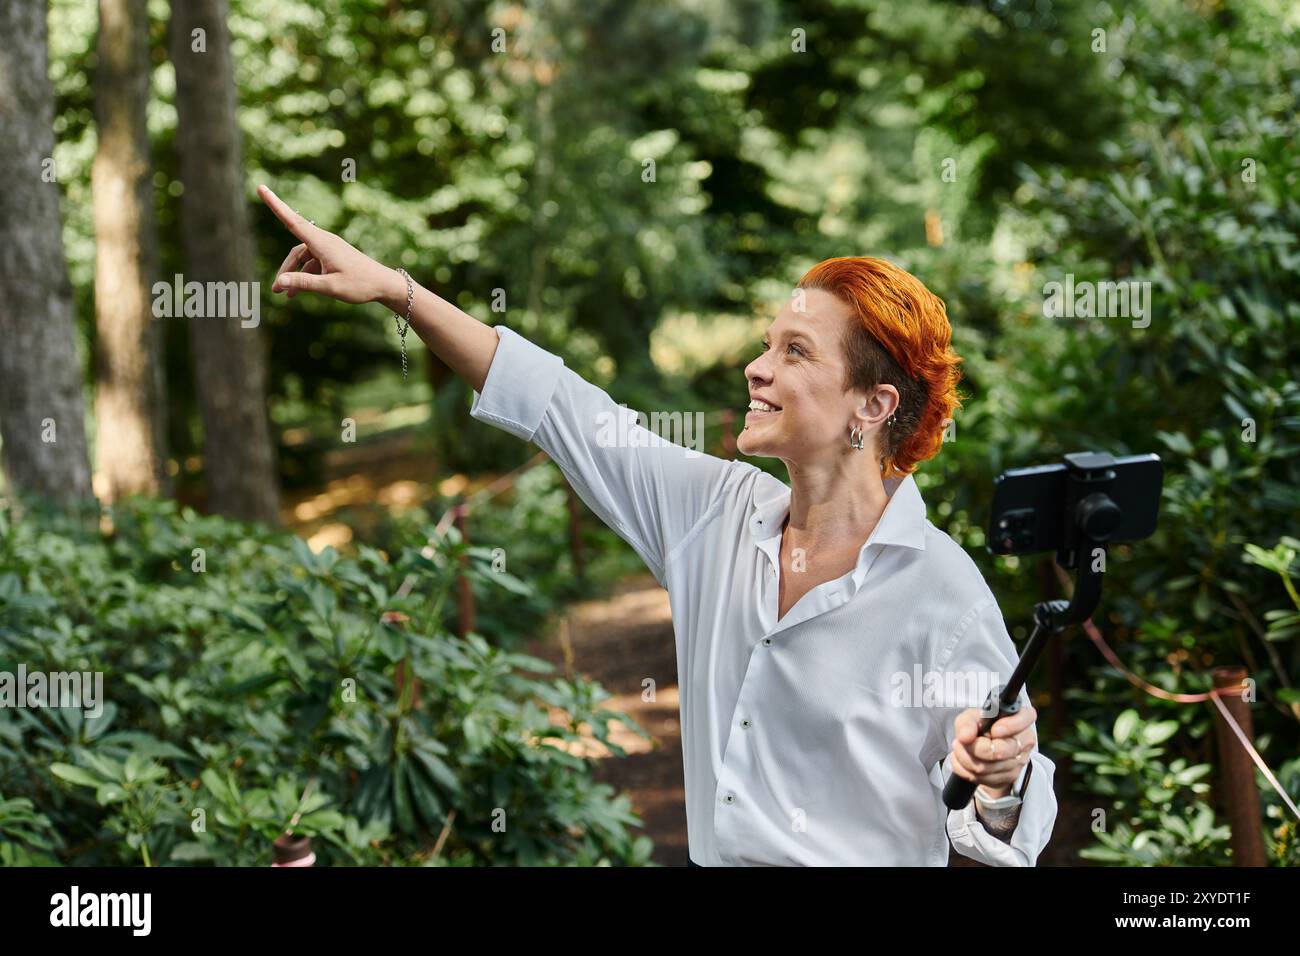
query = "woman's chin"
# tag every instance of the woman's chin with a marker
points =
(753, 447)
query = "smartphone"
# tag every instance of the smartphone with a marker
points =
(1031, 506)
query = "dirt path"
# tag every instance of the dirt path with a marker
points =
(619, 641)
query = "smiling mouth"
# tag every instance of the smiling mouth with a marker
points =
(759, 409)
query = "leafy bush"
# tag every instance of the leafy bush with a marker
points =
(524, 531)
(28, 837)
(248, 680)
(1162, 821)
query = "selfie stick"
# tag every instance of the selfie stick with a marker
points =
(1091, 517)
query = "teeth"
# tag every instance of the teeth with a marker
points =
(757, 406)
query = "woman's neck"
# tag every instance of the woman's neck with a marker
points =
(834, 509)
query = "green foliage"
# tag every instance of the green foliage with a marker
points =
(1159, 818)
(28, 838)
(266, 686)
(1283, 623)
(499, 155)
(1283, 828)
(522, 533)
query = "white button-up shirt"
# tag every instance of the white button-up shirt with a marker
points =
(822, 738)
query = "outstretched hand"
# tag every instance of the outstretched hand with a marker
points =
(325, 263)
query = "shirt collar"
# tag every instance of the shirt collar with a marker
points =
(902, 522)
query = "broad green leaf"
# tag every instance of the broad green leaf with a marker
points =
(1125, 724)
(75, 775)
(1156, 733)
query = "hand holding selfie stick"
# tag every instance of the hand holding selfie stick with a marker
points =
(1077, 508)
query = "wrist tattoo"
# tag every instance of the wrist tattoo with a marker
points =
(1000, 824)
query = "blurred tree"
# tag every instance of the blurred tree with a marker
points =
(229, 359)
(42, 413)
(130, 411)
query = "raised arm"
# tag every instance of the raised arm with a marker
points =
(652, 492)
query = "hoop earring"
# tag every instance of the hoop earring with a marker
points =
(855, 437)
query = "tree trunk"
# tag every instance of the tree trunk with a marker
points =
(229, 358)
(42, 410)
(130, 405)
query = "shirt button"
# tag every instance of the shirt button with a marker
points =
(744, 722)
(767, 642)
(729, 798)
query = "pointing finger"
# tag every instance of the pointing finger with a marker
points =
(295, 223)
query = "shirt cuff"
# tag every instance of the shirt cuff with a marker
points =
(519, 385)
(1037, 813)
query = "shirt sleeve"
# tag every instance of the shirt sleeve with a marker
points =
(651, 491)
(980, 654)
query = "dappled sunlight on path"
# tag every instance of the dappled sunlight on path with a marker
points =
(620, 642)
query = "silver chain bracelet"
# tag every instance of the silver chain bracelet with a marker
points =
(410, 294)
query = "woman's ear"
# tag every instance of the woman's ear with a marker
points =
(876, 408)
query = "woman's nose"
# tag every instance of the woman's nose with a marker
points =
(756, 371)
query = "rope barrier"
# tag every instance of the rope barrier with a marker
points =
(1113, 659)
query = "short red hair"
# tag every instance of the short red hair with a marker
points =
(901, 337)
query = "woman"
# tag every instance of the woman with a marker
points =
(813, 622)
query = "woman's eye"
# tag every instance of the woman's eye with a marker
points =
(797, 349)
